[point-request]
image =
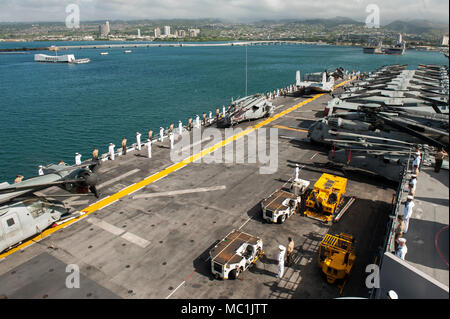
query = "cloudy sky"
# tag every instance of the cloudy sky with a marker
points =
(233, 10)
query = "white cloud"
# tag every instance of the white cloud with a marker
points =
(235, 10)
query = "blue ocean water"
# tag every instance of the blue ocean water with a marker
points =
(50, 111)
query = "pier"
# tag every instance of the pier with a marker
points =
(154, 45)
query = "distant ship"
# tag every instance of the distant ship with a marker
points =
(398, 48)
(374, 49)
(127, 51)
(104, 53)
(68, 58)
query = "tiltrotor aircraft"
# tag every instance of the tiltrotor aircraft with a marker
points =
(24, 214)
(246, 109)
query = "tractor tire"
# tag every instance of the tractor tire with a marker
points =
(281, 219)
(234, 274)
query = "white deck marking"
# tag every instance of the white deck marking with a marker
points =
(118, 178)
(132, 238)
(182, 191)
(141, 242)
(106, 226)
(175, 289)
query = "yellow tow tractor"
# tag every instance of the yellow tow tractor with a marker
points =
(336, 258)
(325, 198)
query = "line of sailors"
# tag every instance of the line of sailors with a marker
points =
(403, 220)
(281, 92)
(197, 124)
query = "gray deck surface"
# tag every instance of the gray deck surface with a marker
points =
(427, 236)
(158, 247)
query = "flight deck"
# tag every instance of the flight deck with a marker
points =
(150, 232)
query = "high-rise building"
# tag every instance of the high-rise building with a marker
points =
(166, 30)
(182, 33)
(157, 32)
(444, 40)
(104, 29)
(139, 33)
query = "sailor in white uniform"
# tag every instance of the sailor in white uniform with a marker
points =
(407, 213)
(296, 172)
(171, 137)
(402, 249)
(412, 184)
(41, 170)
(111, 151)
(77, 159)
(161, 134)
(138, 140)
(149, 148)
(180, 127)
(223, 110)
(197, 121)
(281, 261)
(210, 117)
(416, 163)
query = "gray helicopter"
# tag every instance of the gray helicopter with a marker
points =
(23, 214)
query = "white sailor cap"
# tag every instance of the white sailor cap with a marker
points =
(392, 294)
(402, 240)
(40, 166)
(296, 165)
(410, 197)
(281, 247)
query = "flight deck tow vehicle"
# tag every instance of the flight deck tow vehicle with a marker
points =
(281, 205)
(235, 254)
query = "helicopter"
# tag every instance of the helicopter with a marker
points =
(24, 214)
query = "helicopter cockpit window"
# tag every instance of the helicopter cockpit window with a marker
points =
(10, 222)
(35, 207)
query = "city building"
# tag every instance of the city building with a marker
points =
(193, 32)
(444, 40)
(166, 30)
(138, 33)
(157, 32)
(181, 33)
(104, 30)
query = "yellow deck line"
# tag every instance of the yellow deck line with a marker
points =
(153, 178)
(289, 128)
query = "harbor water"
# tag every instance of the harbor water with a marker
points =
(49, 111)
